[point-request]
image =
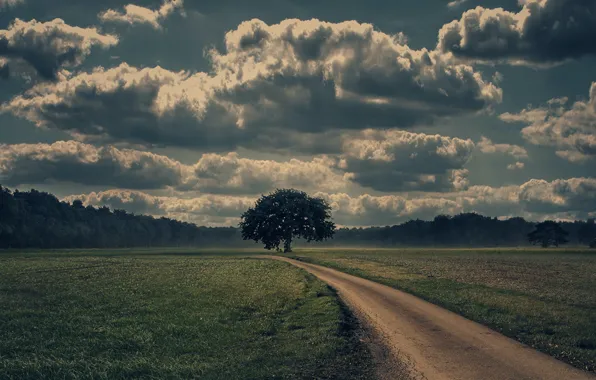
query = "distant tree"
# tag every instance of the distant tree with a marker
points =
(284, 215)
(548, 233)
(593, 243)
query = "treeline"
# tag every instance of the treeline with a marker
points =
(35, 219)
(463, 230)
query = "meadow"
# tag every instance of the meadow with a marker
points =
(543, 298)
(100, 314)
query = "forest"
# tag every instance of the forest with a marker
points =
(35, 219)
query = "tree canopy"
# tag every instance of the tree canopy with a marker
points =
(548, 233)
(284, 215)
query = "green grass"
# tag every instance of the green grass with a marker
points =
(543, 298)
(141, 314)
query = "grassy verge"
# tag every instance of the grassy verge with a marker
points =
(546, 299)
(113, 317)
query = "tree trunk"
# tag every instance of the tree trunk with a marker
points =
(288, 245)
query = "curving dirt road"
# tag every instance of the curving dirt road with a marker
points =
(437, 343)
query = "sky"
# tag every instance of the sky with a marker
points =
(389, 110)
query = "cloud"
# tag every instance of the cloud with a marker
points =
(75, 162)
(71, 161)
(50, 46)
(456, 3)
(210, 210)
(10, 3)
(542, 33)
(313, 75)
(535, 199)
(397, 160)
(231, 174)
(272, 85)
(516, 166)
(4, 69)
(382, 160)
(575, 194)
(134, 14)
(368, 210)
(571, 129)
(151, 105)
(488, 147)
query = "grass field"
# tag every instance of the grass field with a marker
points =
(145, 314)
(544, 298)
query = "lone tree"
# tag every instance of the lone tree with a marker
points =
(284, 215)
(548, 233)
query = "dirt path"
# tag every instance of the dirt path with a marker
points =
(440, 344)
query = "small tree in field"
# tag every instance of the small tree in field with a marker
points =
(284, 215)
(548, 233)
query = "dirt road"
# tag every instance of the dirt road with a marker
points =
(440, 344)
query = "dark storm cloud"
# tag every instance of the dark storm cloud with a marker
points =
(543, 32)
(50, 46)
(297, 77)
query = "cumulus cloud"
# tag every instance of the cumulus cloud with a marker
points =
(211, 210)
(150, 105)
(575, 194)
(231, 174)
(488, 147)
(543, 32)
(396, 160)
(535, 199)
(312, 75)
(368, 210)
(571, 129)
(72, 161)
(382, 160)
(50, 46)
(134, 14)
(293, 78)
